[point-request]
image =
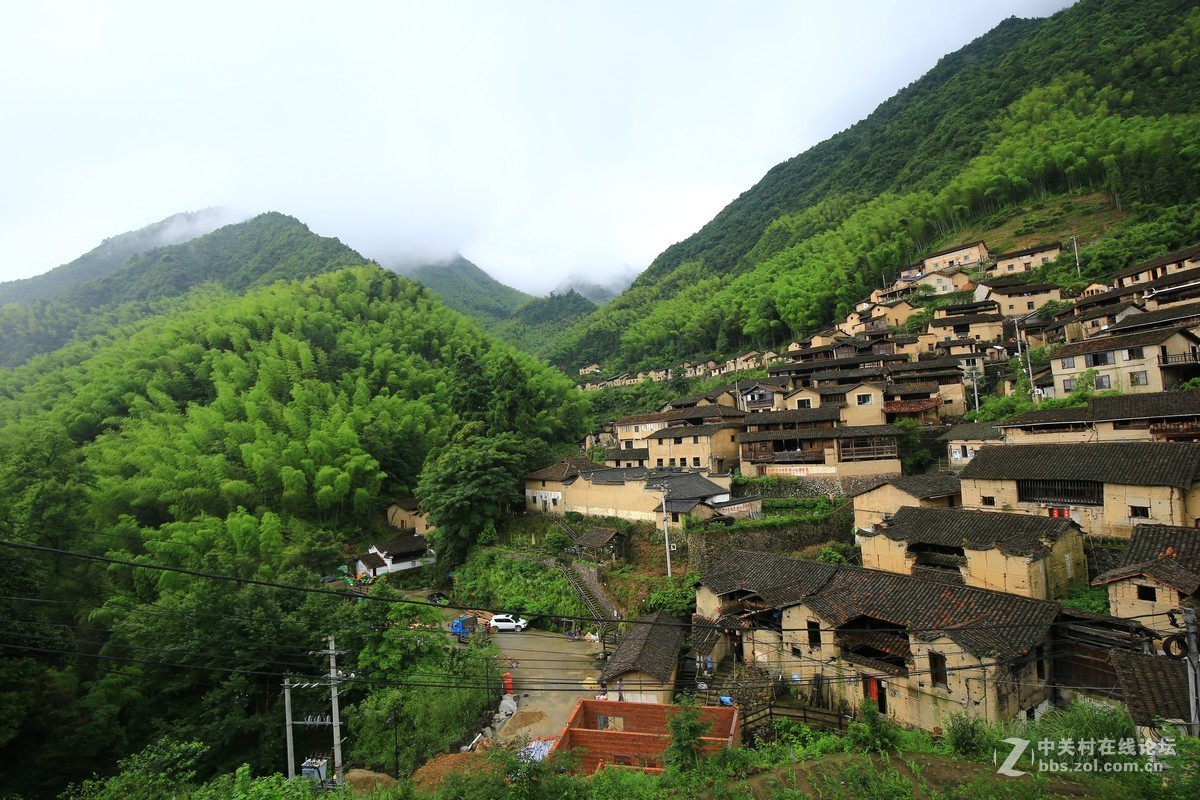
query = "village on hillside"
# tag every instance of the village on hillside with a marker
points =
(956, 606)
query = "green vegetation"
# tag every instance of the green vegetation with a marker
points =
(1022, 115)
(468, 290)
(258, 437)
(495, 579)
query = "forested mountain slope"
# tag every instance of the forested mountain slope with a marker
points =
(258, 252)
(1099, 96)
(533, 326)
(259, 437)
(111, 254)
(468, 290)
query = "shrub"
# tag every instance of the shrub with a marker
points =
(970, 737)
(874, 733)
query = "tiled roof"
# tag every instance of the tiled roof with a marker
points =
(405, 545)
(926, 487)
(911, 406)
(1142, 406)
(1128, 463)
(566, 468)
(969, 308)
(684, 485)
(1167, 553)
(615, 476)
(849, 432)
(408, 503)
(1102, 343)
(923, 387)
(651, 646)
(1024, 288)
(849, 374)
(984, 623)
(822, 414)
(632, 454)
(1172, 316)
(950, 362)
(1185, 254)
(971, 431)
(1154, 686)
(1047, 416)
(371, 560)
(965, 319)
(752, 571)
(596, 537)
(1172, 279)
(954, 249)
(1011, 534)
(678, 431)
(1029, 251)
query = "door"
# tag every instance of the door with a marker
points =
(876, 690)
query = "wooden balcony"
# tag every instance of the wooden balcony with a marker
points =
(872, 453)
(1179, 358)
(790, 457)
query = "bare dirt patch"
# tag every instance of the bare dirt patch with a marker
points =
(523, 719)
(433, 771)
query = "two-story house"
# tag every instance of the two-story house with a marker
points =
(1020, 261)
(1150, 361)
(1106, 488)
(1160, 571)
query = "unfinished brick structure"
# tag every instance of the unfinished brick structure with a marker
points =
(636, 734)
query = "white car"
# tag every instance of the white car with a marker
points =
(508, 622)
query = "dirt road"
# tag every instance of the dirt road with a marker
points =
(552, 673)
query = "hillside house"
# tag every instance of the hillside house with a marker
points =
(920, 402)
(1148, 272)
(943, 282)
(966, 256)
(985, 327)
(1158, 417)
(1160, 571)
(964, 440)
(1019, 299)
(406, 514)
(602, 544)
(399, 554)
(590, 369)
(637, 494)
(1106, 488)
(1020, 261)
(1150, 361)
(1037, 557)
(627, 456)
(1186, 315)
(710, 447)
(873, 506)
(801, 443)
(646, 660)
(919, 650)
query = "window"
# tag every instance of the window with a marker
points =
(863, 399)
(1068, 384)
(553, 501)
(988, 500)
(797, 652)
(678, 440)
(674, 516)
(696, 461)
(733, 437)
(1147, 593)
(1068, 362)
(660, 462)
(629, 445)
(1040, 655)
(1103, 382)
(671, 463)
(1099, 359)
(937, 670)
(1132, 354)
(804, 402)
(637, 428)
(1138, 379)
(1029, 305)
(1139, 512)
(814, 633)
(1010, 306)
(1074, 492)
(695, 440)
(1012, 267)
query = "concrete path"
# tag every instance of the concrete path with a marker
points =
(552, 673)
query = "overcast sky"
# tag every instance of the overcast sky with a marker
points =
(539, 139)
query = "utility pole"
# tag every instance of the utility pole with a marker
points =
(291, 745)
(1075, 241)
(337, 721)
(666, 533)
(1193, 657)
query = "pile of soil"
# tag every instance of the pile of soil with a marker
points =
(433, 771)
(365, 781)
(522, 719)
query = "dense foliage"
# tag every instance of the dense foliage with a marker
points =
(1094, 99)
(268, 248)
(109, 255)
(493, 579)
(468, 290)
(258, 437)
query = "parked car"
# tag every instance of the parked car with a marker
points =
(508, 622)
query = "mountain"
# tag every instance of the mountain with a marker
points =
(258, 252)
(1097, 98)
(597, 293)
(467, 289)
(533, 326)
(111, 254)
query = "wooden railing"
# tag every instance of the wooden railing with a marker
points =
(848, 453)
(1180, 358)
